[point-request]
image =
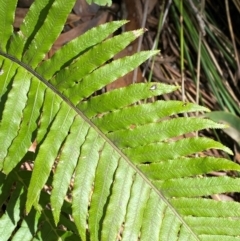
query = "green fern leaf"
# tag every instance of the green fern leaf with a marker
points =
(106, 74)
(162, 131)
(76, 47)
(11, 217)
(183, 167)
(31, 40)
(41, 171)
(117, 99)
(14, 106)
(92, 59)
(6, 22)
(163, 151)
(65, 168)
(104, 167)
(139, 114)
(195, 187)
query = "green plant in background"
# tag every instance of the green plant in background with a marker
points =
(219, 59)
(104, 168)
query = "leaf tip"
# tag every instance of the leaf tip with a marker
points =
(138, 32)
(228, 150)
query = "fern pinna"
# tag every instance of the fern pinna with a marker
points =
(104, 167)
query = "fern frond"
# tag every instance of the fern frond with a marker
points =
(199, 186)
(107, 74)
(119, 98)
(11, 217)
(138, 114)
(6, 22)
(162, 151)
(45, 20)
(161, 131)
(104, 167)
(185, 167)
(92, 59)
(76, 47)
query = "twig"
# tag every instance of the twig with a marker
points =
(141, 37)
(161, 21)
(182, 52)
(199, 59)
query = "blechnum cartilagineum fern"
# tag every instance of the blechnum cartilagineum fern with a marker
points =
(103, 167)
